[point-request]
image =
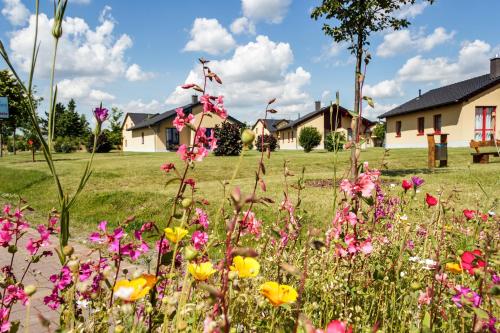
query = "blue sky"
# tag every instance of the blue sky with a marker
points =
(135, 54)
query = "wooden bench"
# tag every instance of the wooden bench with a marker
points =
(483, 157)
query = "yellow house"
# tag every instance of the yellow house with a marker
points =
(464, 110)
(320, 118)
(156, 132)
(270, 127)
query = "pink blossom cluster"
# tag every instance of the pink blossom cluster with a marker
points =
(214, 104)
(181, 119)
(61, 281)
(250, 224)
(12, 224)
(364, 184)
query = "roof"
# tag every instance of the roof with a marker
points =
(156, 119)
(270, 124)
(317, 112)
(137, 117)
(450, 94)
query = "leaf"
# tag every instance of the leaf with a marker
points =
(481, 313)
(198, 88)
(171, 180)
(426, 322)
(217, 78)
(370, 101)
(203, 61)
(271, 101)
(263, 168)
(272, 111)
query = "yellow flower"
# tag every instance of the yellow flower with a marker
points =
(201, 272)
(175, 235)
(278, 294)
(453, 267)
(246, 267)
(135, 289)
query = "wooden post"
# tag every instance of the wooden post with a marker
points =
(431, 156)
(444, 140)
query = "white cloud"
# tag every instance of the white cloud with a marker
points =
(383, 89)
(15, 12)
(138, 106)
(411, 11)
(80, 2)
(402, 41)
(325, 94)
(243, 25)
(82, 88)
(256, 72)
(473, 60)
(208, 35)
(373, 113)
(271, 11)
(135, 73)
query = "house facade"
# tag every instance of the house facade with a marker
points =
(270, 127)
(322, 120)
(157, 133)
(464, 110)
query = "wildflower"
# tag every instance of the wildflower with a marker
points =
(469, 214)
(134, 289)
(101, 114)
(453, 268)
(201, 272)
(245, 266)
(181, 120)
(199, 239)
(251, 224)
(430, 200)
(336, 326)
(201, 218)
(417, 182)
(167, 167)
(278, 294)
(425, 297)
(471, 260)
(464, 296)
(4, 320)
(364, 185)
(406, 185)
(163, 246)
(188, 85)
(175, 235)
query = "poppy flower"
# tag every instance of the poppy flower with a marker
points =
(278, 294)
(134, 289)
(201, 272)
(453, 267)
(471, 260)
(469, 214)
(406, 185)
(176, 234)
(430, 200)
(245, 266)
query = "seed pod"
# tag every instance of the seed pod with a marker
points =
(68, 250)
(30, 290)
(186, 203)
(247, 136)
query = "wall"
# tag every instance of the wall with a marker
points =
(132, 140)
(258, 130)
(457, 121)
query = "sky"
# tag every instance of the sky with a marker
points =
(135, 54)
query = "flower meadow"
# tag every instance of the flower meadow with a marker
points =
(392, 257)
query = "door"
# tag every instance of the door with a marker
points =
(484, 124)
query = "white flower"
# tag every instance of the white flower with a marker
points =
(417, 191)
(404, 217)
(393, 185)
(82, 304)
(491, 213)
(414, 259)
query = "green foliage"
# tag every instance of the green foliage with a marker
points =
(115, 124)
(20, 145)
(65, 144)
(335, 141)
(380, 130)
(309, 138)
(68, 122)
(228, 139)
(103, 145)
(269, 141)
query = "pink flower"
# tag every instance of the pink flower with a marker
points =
(337, 326)
(4, 320)
(469, 214)
(201, 218)
(364, 185)
(430, 200)
(251, 224)
(165, 246)
(406, 185)
(425, 297)
(101, 114)
(366, 247)
(167, 167)
(188, 85)
(14, 293)
(199, 239)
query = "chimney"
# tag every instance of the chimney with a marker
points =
(495, 67)
(194, 99)
(419, 92)
(317, 105)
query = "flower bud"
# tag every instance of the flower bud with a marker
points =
(73, 265)
(186, 203)
(119, 329)
(68, 250)
(415, 285)
(247, 137)
(30, 290)
(190, 252)
(12, 249)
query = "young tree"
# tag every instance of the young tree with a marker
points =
(309, 138)
(353, 22)
(115, 122)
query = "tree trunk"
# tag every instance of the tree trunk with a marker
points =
(14, 140)
(355, 120)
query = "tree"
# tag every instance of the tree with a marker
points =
(309, 138)
(379, 131)
(228, 139)
(68, 123)
(115, 134)
(335, 141)
(354, 22)
(18, 114)
(269, 141)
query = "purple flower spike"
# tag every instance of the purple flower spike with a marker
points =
(101, 114)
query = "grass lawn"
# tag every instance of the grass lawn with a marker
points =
(125, 184)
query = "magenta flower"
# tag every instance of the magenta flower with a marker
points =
(465, 296)
(163, 247)
(101, 114)
(201, 218)
(167, 167)
(364, 186)
(14, 293)
(199, 239)
(251, 224)
(4, 320)
(417, 182)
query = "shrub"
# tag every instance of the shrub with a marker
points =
(379, 131)
(65, 145)
(103, 143)
(228, 139)
(309, 138)
(20, 144)
(335, 140)
(269, 140)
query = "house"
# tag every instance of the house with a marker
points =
(464, 110)
(320, 118)
(270, 127)
(156, 133)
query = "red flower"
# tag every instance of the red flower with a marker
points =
(430, 200)
(471, 260)
(469, 214)
(406, 185)
(337, 326)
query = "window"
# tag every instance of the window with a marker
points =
(437, 124)
(349, 134)
(288, 135)
(421, 125)
(292, 134)
(398, 128)
(172, 136)
(142, 137)
(484, 128)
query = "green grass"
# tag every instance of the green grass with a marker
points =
(125, 184)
